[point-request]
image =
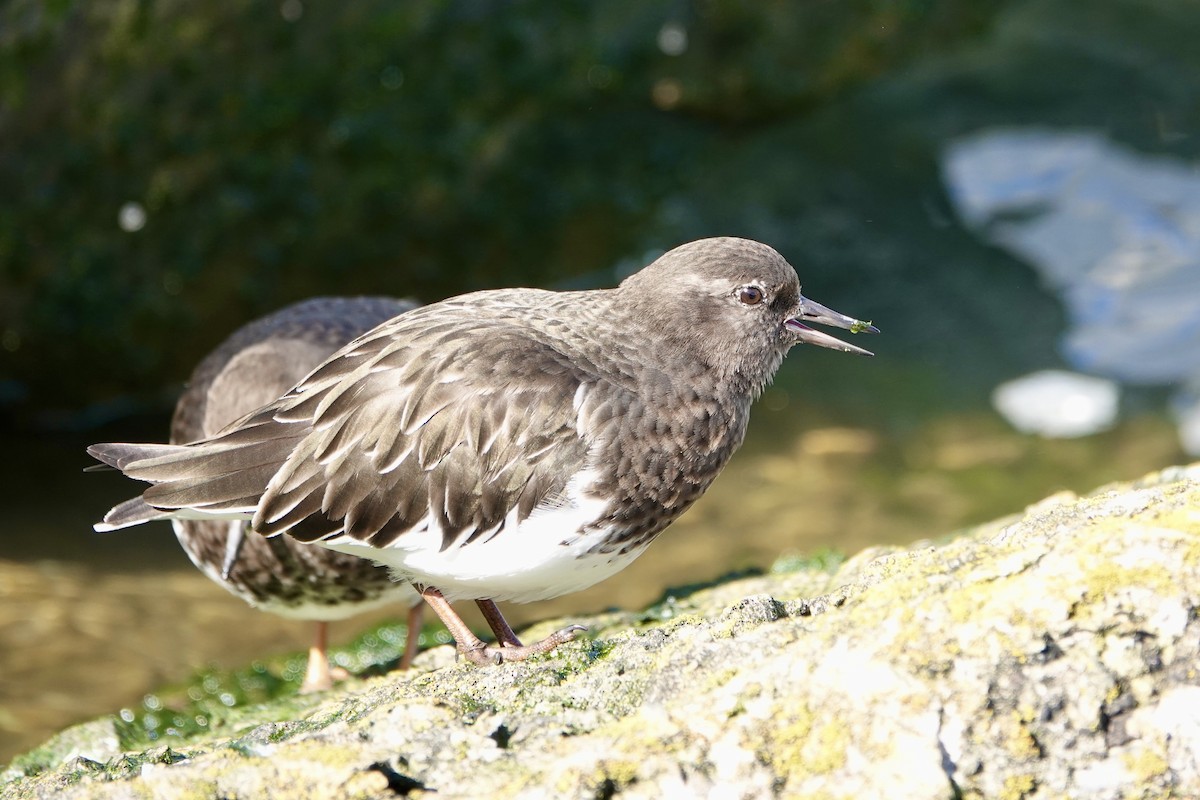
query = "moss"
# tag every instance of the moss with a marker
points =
(81, 769)
(803, 745)
(612, 775)
(968, 602)
(671, 623)
(201, 790)
(1146, 764)
(1186, 520)
(215, 701)
(832, 741)
(1018, 786)
(719, 678)
(826, 560)
(1105, 577)
(575, 657)
(634, 736)
(47, 757)
(1020, 740)
(92, 738)
(329, 755)
(600, 648)
(469, 706)
(678, 600)
(726, 629)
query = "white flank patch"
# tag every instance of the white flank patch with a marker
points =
(544, 556)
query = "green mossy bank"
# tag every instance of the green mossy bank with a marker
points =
(1049, 654)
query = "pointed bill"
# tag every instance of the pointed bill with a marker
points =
(812, 311)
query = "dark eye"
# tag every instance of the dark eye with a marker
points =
(750, 295)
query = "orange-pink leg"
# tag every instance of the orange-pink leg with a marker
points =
(318, 677)
(475, 649)
(412, 641)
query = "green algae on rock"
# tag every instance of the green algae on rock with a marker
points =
(1048, 654)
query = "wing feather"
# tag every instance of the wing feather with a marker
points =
(439, 416)
(446, 437)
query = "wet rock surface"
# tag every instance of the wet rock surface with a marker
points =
(1053, 653)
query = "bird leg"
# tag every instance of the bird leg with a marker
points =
(412, 640)
(505, 636)
(233, 548)
(475, 649)
(318, 677)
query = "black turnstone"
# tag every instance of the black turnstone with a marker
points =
(255, 365)
(514, 444)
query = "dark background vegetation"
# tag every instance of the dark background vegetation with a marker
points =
(426, 148)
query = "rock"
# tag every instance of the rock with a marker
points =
(1050, 654)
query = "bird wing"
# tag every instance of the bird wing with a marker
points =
(263, 359)
(450, 423)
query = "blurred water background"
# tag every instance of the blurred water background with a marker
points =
(1009, 190)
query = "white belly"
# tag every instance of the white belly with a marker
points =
(544, 556)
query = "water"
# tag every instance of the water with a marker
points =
(1112, 232)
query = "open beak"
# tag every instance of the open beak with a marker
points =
(815, 312)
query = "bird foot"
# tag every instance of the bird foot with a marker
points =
(483, 654)
(314, 683)
(320, 675)
(507, 648)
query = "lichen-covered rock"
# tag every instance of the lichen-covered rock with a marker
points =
(1052, 654)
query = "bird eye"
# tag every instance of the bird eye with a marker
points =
(750, 295)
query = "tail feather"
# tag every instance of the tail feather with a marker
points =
(204, 491)
(223, 478)
(131, 512)
(120, 454)
(210, 460)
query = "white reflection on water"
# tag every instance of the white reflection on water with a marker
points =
(1115, 233)
(1058, 404)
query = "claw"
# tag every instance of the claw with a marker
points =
(495, 654)
(507, 648)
